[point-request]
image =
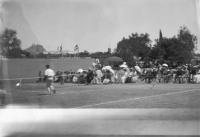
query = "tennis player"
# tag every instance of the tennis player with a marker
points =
(49, 75)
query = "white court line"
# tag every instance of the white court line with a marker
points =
(134, 99)
(87, 90)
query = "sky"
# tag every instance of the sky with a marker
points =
(96, 25)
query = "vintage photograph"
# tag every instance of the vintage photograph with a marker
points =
(102, 68)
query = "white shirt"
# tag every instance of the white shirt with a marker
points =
(49, 73)
(99, 73)
(197, 78)
(97, 61)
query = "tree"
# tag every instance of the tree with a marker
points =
(156, 53)
(187, 39)
(160, 36)
(10, 44)
(136, 45)
(36, 49)
(178, 49)
(85, 53)
(100, 55)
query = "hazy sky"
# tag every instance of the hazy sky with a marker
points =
(96, 25)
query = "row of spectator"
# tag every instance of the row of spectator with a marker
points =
(124, 74)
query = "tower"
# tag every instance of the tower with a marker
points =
(160, 36)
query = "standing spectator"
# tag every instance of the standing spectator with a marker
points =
(179, 73)
(99, 76)
(120, 74)
(193, 72)
(197, 77)
(186, 74)
(62, 78)
(134, 76)
(190, 74)
(97, 61)
(159, 74)
(90, 76)
(49, 74)
(125, 76)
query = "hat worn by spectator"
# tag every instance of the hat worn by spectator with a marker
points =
(165, 65)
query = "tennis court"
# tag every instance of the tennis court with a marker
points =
(145, 110)
(138, 95)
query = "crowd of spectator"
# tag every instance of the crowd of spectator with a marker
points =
(160, 73)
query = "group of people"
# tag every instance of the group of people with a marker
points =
(157, 73)
(99, 74)
(164, 74)
(106, 75)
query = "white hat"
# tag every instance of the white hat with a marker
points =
(123, 66)
(165, 65)
(106, 68)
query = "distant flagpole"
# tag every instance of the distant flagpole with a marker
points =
(76, 49)
(58, 48)
(61, 50)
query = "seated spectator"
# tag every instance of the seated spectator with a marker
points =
(82, 78)
(106, 81)
(129, 77)
(132, 76)
(107, 77)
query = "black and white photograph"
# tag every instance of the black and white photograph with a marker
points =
(99, 68)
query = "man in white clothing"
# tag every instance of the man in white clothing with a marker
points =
(49, 74)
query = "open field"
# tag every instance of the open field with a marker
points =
(143, 110)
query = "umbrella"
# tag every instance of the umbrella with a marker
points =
(80, 70)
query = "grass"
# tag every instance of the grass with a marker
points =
(108, 96)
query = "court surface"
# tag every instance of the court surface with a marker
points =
(106, 110)
(107, 96)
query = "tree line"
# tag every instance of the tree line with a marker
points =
(178, 49)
